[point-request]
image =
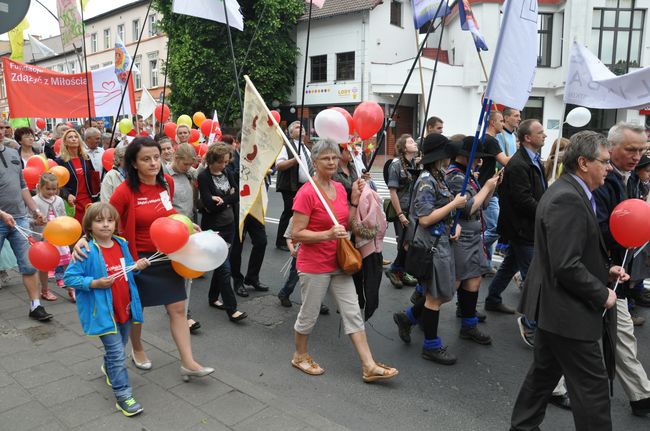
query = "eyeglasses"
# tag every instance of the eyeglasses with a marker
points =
(606, 162)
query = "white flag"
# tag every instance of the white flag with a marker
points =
(261, 142)
(318, 3)
(147, 104)
(590, 83)
(515, 59)
(212, 10)
(43, 49)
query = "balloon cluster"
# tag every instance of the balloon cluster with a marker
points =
(628, 223)
(191, 253)
(37, 165)
(61, 231)
(337, 123)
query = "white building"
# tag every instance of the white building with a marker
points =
(379, 36)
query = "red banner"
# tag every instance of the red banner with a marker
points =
(33, 91)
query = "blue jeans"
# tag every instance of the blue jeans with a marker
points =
(490, 218)
(114, 360)
(291, 282)
(18, 243)
(518, 258)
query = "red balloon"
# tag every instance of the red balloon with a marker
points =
(203, 148)
(40, 123)
(275, 115)
(194, 136)
(368, 119)
(51, 163)
(37, 162)
(31, 176)
(161, 113)
(206, 127)
(44, 256)
(108, 158)
(144, 133)
(170, 130)
(168, 235)
(132, 133)
(629, 224)
(57, 146)
(348, 117)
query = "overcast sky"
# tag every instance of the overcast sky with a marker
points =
(41, 23)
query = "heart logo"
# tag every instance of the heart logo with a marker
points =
(245, 191)
(108, 85)
(255, 122)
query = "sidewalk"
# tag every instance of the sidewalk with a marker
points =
(50, 379)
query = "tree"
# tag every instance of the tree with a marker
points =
(200, 71)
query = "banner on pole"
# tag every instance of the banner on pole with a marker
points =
(261, 143)
(69, 22)
(515, 59)
(212, 10)
(590, 83)
(469, 23)
(43, 49)
(122, 61)
(425, 10)
(33, 91)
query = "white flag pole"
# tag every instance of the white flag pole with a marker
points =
(302, 165)
(557, 147)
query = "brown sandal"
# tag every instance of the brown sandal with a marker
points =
(307, 365)
(379, 372)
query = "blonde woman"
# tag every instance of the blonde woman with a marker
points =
(548, 165)
(83, 187)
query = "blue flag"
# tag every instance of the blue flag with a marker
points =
(425, 10)
(468, 22)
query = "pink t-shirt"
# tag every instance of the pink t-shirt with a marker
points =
(319, 257)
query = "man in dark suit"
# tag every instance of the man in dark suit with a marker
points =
(566, 292)
(521, 189)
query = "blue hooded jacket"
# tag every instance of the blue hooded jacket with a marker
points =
(95, 306)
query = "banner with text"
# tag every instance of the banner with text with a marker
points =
(69, 23)
(33, 91)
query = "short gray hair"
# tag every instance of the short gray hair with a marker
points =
(325, 146)
(585, 144)
(616, 134)
(92, 131)
(118, 156)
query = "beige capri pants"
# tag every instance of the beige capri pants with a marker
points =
(314, 287)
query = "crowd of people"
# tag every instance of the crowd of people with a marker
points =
(449, 226)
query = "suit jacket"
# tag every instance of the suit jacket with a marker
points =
(287, 180)
(211, 211)
(566, 284)
(520, 191)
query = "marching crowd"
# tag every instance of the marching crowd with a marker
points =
(548, 219)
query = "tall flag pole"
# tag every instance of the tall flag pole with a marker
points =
(83, 32)
(304, 77)
(232, 54)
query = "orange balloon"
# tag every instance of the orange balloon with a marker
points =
(184, 271)
(198, 117)
(62, 175)
(62, 231)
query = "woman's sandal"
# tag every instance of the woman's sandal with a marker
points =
(194, 325)
(48, 295)
(307, 365)
(379, 372)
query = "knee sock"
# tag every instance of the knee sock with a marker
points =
(467, 302)
(34, 303)
(430, 320)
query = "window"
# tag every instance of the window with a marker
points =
(107, 63)
(136, 29)
(153, 25)
(120, 32)
(534, 109)
(617, 33)
(93, 42)
(319, 68)
(107, 38)
(345, 66)
(544, 36)
(137, 73)
(396, 13)
(153, 69)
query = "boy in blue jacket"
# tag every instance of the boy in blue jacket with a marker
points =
(107, 297)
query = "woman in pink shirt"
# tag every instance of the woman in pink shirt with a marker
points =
(317, 264)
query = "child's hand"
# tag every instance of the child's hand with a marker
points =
(142, 264)
(101, 283)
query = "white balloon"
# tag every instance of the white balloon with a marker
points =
(331, 124)
(578, 117)
(204, 251)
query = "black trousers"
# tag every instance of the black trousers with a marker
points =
(221, 283)
(367, 282)
(257, 234)
(287, 199)
(582, 364)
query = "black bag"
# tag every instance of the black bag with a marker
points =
(419, 258)
(389, 210)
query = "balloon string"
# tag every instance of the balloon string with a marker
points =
(25, 230)
(618, 279)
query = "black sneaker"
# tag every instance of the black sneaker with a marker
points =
(640, 408)
(467, 333)
(257, 285)
(394, 278)
(527, 334)
(284, 301)
(403, 326)
(416, 296)
(481, 316)
(129, 406)
(439, 355)
(40, 314)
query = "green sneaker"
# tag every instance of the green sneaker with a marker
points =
(129, 406)
(408, 279)
(394, 278)
(108, 381)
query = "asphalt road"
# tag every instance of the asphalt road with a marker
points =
(475, 394)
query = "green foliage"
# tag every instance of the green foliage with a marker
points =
(200, 70)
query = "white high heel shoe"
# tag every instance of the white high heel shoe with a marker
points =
(202, 372)
(146, 365)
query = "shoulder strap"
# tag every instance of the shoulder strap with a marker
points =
(327, 199)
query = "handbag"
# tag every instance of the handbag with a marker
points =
(347, 256)
(419, 258)
(389, 210)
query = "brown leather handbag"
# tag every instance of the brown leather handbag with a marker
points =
(347, 256)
